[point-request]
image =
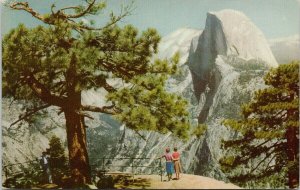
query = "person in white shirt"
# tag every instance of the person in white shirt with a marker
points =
(45, 166)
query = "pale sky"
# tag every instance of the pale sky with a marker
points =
(276, 18)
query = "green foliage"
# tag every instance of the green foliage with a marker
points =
(266, 144)
(52, 64)
(200, 130)
(31, 176)
(58, 161)
(147, 105)
(67, 56)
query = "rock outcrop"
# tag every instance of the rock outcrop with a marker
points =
(227, 33)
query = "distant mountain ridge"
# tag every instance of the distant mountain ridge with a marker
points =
(286, 49)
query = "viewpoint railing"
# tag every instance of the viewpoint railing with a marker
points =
(131, 166)
(10, 170)
(104, 165)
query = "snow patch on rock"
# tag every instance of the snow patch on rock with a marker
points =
(180, 41)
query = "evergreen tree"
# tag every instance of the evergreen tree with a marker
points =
(51, 64)
(268, 135)
(58, 160)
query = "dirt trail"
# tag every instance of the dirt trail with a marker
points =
(185, 182)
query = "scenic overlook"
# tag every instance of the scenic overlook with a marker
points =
(150, 94)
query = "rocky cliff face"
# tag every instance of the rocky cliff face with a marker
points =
(227, 33)
(227, 63)
(25, 142)
(220, 68)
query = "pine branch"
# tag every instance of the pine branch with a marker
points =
(45, 75)
(108, 87)
(120, 17)
(79, 28)
(269, 169)
(262, 161)
(24, 6)
(67, 17)
(71, 7)
(105, 109)
(109, 64)
(33, 111)
(262, 143)
(253, 154)
(85, 115)
(61, 91)
(109, 47)
(43, 93)
(274, 156)
(58, 85)
(84, 12)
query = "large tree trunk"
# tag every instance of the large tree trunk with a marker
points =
(292, 152)
(77, 145)
(76, 132)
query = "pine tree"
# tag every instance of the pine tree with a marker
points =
(51, 64)
(58, 160)
(268, 135)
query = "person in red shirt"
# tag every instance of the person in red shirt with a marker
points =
(176, 160)
(169, 163)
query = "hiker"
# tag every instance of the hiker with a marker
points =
(44, 161)
(169, 163)
(176, 160)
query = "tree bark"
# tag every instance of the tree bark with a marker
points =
(292, 148)
(76, 132)
(77, 145)
(292, 151)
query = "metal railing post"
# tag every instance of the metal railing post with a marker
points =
(160, 166)
(9, 172)
(103, 164)
(132, 169)
(6, 172)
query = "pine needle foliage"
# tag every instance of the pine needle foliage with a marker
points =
(47, 54)
(52, 64)
(267, 139)
(58, 161)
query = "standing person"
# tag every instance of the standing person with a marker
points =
(176, 160)
(169, 163)
(45, 166)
